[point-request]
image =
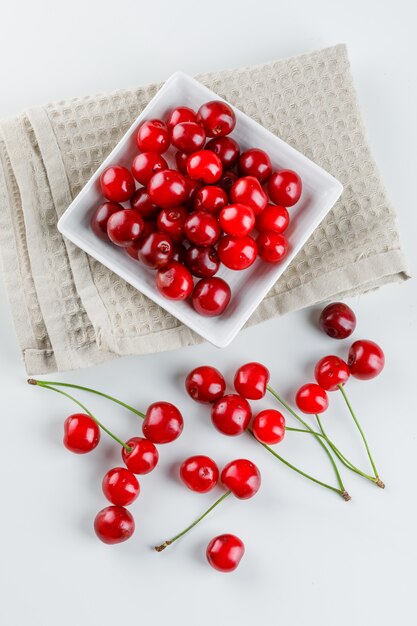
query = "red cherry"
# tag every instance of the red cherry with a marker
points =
(193, 187)
(312, 398)
(237, 220)
(202, 228)
(330, 372)
(202, 262)
(163, 423)
(124, 227)
(337, 320)
(146, 164)
(134, 250)
(210, 199)
(156, 250)
(81, 433)
(272, 247)
(237, 253)
(101, 216)
(116, 183)
(174, 281)
(225, 552)
(366, 359)
(251, 380)
(227, 180)
(211, 296)
(167, 189)
(242, 478)
(217, 117)
(153, 136)
(199, 473)
(248, 190)
(284, 187)
(179, 115)
(181, 160)
(188, 136)
(114, 524)
(171, 221)
(231, 414)
(142, 203)
(143, 456)
(255, 162)
(204, 165)
(269, 427)
(205, 384)
(120, 486)
(226, 148)
(179, 252)
(273, 218)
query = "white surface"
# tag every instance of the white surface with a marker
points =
(310, 558)
(320, 192)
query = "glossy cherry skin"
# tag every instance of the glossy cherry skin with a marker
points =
(251, 380)
(114, 524)
(202, 228)
(269, 427)
(217, 117)
(211, 296)
(205, 384)
(231, 414)
(81, 433)
(174, 281)
(242, 478)
(117, 184)
(163, 423)
(193, 187)
(337, 320)
(156, 250)
(273, 218)
(204, 165)
(153, 136)
(285, 187)
(146, 164)
(237, 253)
(179, 115)
(142, 203)
(227, 180)
(330, 372)
(248, 190)
(225, 552)
(181, 160)
(366, 359)
(143, 456)
(124, 227)
(202, 262)
(255, 162)
(237, 220)
(171, 221)
(167, 189)
(179, 252)
(120, 486)
(226, 148)
(272, 247)
(211, 199)
(199, 473)
(312, 398)
(101, 216)
(188, 136)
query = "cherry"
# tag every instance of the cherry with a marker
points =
(205, 384)
(174, 281)
(225, 552)
(337, 320)
(101, 216)
(81, 433)
(312, 398)
(179, 252)
(167, 188)
(114, 524)
(134, 249)
(179, 115)
(251, 380)
(231, 414)
(272, 247)
(210, 199)
(153, 136)
(255, 162)
(227, 180)
(156, 250)
(202, 262)
(242, 478)
(237, 220)
(124, 227)
(366, 359)
(116, 183)
(237, 253)
(202, 228)
(330, 372)
(146, 164)
(248, 190)
(171, 221)
(120, 486)
(163, 423)
(269, 426)
(142, 457)
(273, 218)
(188, 136)
(226, 148)
(217, 117)
(181, 160)
(204, 165)
(142, 203)
(211, 296)
(199, 473)
(284, 187)
(193, 187)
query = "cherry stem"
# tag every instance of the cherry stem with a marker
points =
(182, 533)
(46, 385)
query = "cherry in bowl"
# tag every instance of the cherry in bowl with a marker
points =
(174, 281)
(211, 296)
(117, 184)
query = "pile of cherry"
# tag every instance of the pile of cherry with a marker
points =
(232, 415)
(185, 222)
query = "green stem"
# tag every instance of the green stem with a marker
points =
(182, 533)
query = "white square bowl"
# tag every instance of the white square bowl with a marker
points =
(249, 287)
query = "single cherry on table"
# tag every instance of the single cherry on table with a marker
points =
(163, 423)
(199, 473)
(366, 359)
(311, 398)
(337, 320)
(330, 372)
(269, 427)
(231, 414)
(81, 433)
(120, 486)
(225, 552)
(205, 384)
(251, 380)
(142, 457)
(114, 524)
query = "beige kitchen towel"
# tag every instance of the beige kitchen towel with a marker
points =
(70, 311)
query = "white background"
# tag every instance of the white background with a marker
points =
(310, 557)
